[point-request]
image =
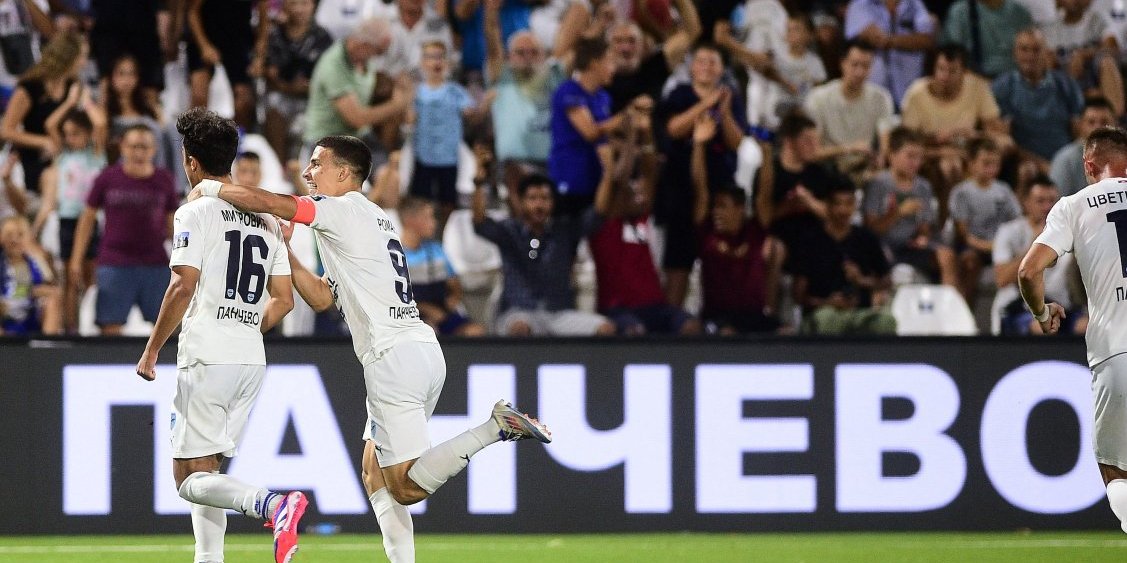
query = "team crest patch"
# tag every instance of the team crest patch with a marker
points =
(180, 241)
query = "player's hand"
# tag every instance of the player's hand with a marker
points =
(1056, 313)
(147, 367)
(193, 195)
(287, 229)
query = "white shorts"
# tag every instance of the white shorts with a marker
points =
(210, 409)
(1109, 392)
(403, 387)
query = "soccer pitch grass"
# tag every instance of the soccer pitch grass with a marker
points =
(648, 548)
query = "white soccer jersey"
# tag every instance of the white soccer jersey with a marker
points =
(367, 272)
(236, 253)
(1092, 223)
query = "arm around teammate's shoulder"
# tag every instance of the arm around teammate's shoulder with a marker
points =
(258, 200)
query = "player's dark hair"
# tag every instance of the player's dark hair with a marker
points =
(210, 139)
(349, 152)
(587, 51)
(78, 118)
(249, 155)
(1105, 140)
(534, 180)
(901, 136)
(793, 125)
(981, 145)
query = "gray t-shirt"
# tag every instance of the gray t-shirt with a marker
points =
(1013, 241)
(881, 192)
(983, 209)
(1067, 169)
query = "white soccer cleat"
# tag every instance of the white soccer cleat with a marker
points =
(516, 425)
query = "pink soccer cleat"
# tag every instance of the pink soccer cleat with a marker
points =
(284, 522)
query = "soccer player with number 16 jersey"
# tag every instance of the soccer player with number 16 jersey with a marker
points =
(222, 261)
(366, 277)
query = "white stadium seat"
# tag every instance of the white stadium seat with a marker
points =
(922, 310)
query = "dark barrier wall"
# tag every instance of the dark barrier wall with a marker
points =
(650, 435)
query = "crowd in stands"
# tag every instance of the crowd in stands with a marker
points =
(571, 167)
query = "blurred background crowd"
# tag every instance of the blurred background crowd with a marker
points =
(575, 167)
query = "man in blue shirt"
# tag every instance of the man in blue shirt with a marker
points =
(901, 35)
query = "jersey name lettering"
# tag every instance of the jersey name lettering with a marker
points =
(247, 219)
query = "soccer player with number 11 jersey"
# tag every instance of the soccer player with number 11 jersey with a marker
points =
(366, 277)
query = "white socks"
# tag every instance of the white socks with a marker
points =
(396, 526)
(1117, 497)
(447, 459)
(224, 491)
(209, 524)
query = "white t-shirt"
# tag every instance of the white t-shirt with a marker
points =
(1092, 223)
(236, 253)
(367, 273)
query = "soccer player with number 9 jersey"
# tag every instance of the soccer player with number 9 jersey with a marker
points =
(367, 279)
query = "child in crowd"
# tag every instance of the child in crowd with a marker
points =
(437, 289)
(899, 207)
(65, 185)
(29, 301)
(800, 68)
(247, 169)
(440, 107)
(979, 205)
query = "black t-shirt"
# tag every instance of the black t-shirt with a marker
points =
(135, 15)
(649, 78)
(296, 58)
(816, 178)
(822, 261)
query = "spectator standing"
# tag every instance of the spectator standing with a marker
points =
(537, 255)
(129, 27)
(522, 109)
(138, 200)
(440, 108)
(125, 104)
(843, 278)
(342, 83)
(220, 33)
(437, 290)
(901, 31)
(415, 24)
(41, 90)
(899, 207)
(291, 54)
(513, 16)
(340, 17)
(706, 94)
(979, 205)
(641, 73)
(852, 113)
(754, 35)
(629, 288)
(581, 120)
(988, 29)
(1067, 166)
(1041, 104)
(740, 264)
(66, 186)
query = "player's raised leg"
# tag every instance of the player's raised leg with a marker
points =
(394, 519)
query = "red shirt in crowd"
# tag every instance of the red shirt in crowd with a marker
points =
(137, 211)
(733, 272)
(623, 264)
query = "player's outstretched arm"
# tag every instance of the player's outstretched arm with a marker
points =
(280, 303)
(181, 287)
(249, 199)
(1031, 282)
